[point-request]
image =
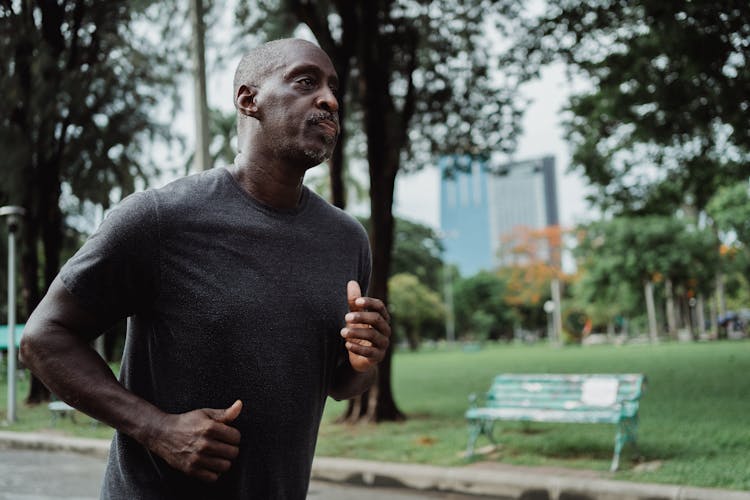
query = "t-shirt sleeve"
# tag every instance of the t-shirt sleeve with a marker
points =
(117, 269)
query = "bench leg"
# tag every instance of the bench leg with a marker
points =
(474, 430)
(477, 428)
(626, 433)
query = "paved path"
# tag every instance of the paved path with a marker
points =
(492, 479)
(44, 475)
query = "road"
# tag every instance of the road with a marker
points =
(41, 475)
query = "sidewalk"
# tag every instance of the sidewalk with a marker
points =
(506, 482)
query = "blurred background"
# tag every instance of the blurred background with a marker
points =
(573, 173)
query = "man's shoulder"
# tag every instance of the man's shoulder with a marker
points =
(329, 214)
(190, 188)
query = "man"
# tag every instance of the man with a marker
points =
(237, 283)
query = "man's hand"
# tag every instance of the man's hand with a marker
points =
(367, 331)
(199, 443)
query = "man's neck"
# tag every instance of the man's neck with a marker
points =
(271, 183)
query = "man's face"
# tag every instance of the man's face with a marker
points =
(299, 108)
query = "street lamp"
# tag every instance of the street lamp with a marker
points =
(13, 215)
(450, 318)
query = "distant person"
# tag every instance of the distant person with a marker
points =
(237, 283)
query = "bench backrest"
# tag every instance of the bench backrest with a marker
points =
(564, 391)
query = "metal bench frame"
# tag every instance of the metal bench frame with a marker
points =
(558, 398)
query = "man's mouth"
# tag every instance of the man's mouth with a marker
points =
(326, 121)
(330, 125)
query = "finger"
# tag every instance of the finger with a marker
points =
(220, 449)
(353, 292)
(214, 464)
(371, 353)
(371, 335)
(224, 415)
(373, 319)
(371, 304)
(231, 413)
(225, 434)
(204, 475)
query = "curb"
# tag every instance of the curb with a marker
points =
(48, 442)
(506, 482)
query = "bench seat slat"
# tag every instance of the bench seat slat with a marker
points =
(546, 415)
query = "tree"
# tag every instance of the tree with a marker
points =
(418, 250)
(730, 210)
(480, 307)
(622, 256)
(531, 259)
(79, 87)
(413, 307)
(202, 157)
(424, 87)
(664, 123)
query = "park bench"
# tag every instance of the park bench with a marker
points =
(600, 398)
(61, 409)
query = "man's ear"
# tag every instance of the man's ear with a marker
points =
(246, 100)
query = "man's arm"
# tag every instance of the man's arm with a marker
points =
(55, 346)
(367, 333)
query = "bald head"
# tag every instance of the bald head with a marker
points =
(259, 63)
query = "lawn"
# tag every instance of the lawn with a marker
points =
(695, 415)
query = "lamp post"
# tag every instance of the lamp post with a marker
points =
(450, 318)
(13, 215)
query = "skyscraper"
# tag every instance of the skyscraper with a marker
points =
(479, 208)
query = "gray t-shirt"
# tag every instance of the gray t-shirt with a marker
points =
(227, 299)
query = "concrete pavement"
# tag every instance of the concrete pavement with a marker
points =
(490, 479)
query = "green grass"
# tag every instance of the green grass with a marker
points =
(695, 415)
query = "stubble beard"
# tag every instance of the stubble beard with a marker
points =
(319, 155)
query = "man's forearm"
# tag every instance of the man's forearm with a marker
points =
(79, 376)
(348, 383)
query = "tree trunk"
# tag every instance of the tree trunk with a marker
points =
(701, 317)
(336, 163)
(202, 158)
(671, 317)
(377, 404)
(653, 331)
(713, 310)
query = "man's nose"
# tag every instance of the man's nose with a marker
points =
(327, 101)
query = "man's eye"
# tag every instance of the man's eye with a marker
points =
(307, 82)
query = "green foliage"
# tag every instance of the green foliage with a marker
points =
(480, 309)
(618, 256)
(730, 210)
(416, 311)
(81, 80)
(81, 86)
(664, 122)
(416, 250)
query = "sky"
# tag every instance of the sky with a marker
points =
(417, 195)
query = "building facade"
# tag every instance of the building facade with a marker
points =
(480, 206)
